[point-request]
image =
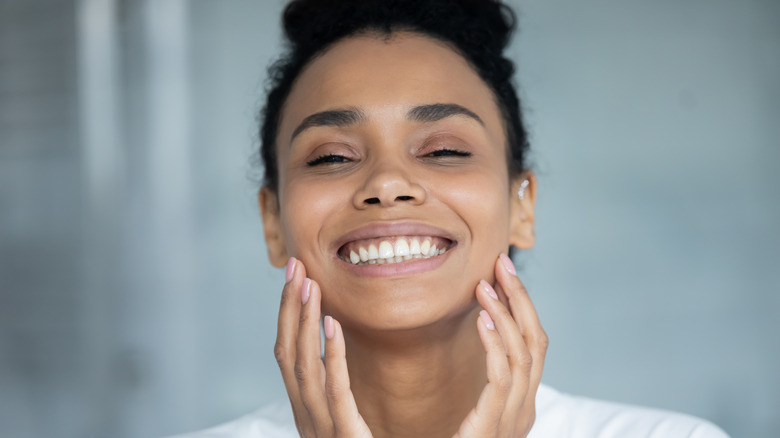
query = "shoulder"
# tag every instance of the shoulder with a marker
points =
(563, 415)
(272, 421)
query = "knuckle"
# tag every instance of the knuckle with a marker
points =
(543, 342)
(300, 371)
(281, 354)
(333, 389)
(525, 361)
(304, 317)
(504, 383)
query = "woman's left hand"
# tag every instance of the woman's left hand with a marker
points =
(516, 344)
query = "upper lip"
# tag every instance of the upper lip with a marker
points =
(392, 229)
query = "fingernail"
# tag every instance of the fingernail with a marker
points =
(508, 264)
(329, 329)
(305, 290)
(487, 320)
(489, 289)
(288, 275)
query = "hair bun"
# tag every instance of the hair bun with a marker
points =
(483, 23)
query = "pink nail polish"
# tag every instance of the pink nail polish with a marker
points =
(489, 289)
(329, 328)
(288, 275)
(305, 290)
(487, 320)
(508, 264)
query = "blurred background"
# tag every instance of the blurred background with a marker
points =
(136, 299)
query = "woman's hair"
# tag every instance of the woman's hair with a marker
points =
(479, 30)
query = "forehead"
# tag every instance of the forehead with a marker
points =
(379, 73)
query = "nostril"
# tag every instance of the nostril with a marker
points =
(372, 201)
(404, 198)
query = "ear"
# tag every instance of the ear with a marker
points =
(272, 226)
(521, 220)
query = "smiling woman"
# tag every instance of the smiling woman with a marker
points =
(395, 186)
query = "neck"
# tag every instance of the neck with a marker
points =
(422, 382)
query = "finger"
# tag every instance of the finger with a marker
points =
(517, 353)
(524, 314)
(309, 369)
(341, 402)
(287, 328)
(485, 418)
(289, 312)
(519, 358)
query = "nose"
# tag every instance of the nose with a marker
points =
(388, 185)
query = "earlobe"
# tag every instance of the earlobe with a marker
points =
(522, 200)
(272, 227)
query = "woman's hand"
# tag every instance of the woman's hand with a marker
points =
(322, 402)
(515, 344)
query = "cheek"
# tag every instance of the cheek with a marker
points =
(482, 202)
(482, 199)
(306, 209)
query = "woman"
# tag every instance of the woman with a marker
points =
(396, 182)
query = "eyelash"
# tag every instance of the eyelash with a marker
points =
(335, 158)
(327, 159)
(448, 152)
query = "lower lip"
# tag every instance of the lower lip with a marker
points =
(400, 269)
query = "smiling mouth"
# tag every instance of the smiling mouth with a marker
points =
(393, 250)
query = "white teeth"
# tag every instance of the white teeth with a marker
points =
(425, 246)
(414, 248)
(385, 250)
(401, 248)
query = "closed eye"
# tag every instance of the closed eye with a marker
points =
(328, 159)
(448, 153)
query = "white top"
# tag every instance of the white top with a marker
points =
(557, 415)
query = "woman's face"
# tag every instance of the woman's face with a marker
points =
(388, 147)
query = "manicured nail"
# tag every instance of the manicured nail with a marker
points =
(329, 328)
(508, 264)
(489, 289)
(487, 320)
(288, 275)
(305, 290)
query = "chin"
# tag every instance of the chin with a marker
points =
(400, 306)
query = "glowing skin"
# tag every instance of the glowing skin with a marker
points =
(390, 158)
(367, 173)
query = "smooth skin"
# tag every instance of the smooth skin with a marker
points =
(402, 354)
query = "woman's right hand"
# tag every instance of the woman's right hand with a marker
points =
(319, 391)
(515, 344)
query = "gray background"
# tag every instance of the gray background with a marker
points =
(135, 294)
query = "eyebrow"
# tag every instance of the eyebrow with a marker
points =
(439, 111)
(338, 118)
(351, 116)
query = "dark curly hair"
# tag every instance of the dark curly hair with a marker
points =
(478, 29)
